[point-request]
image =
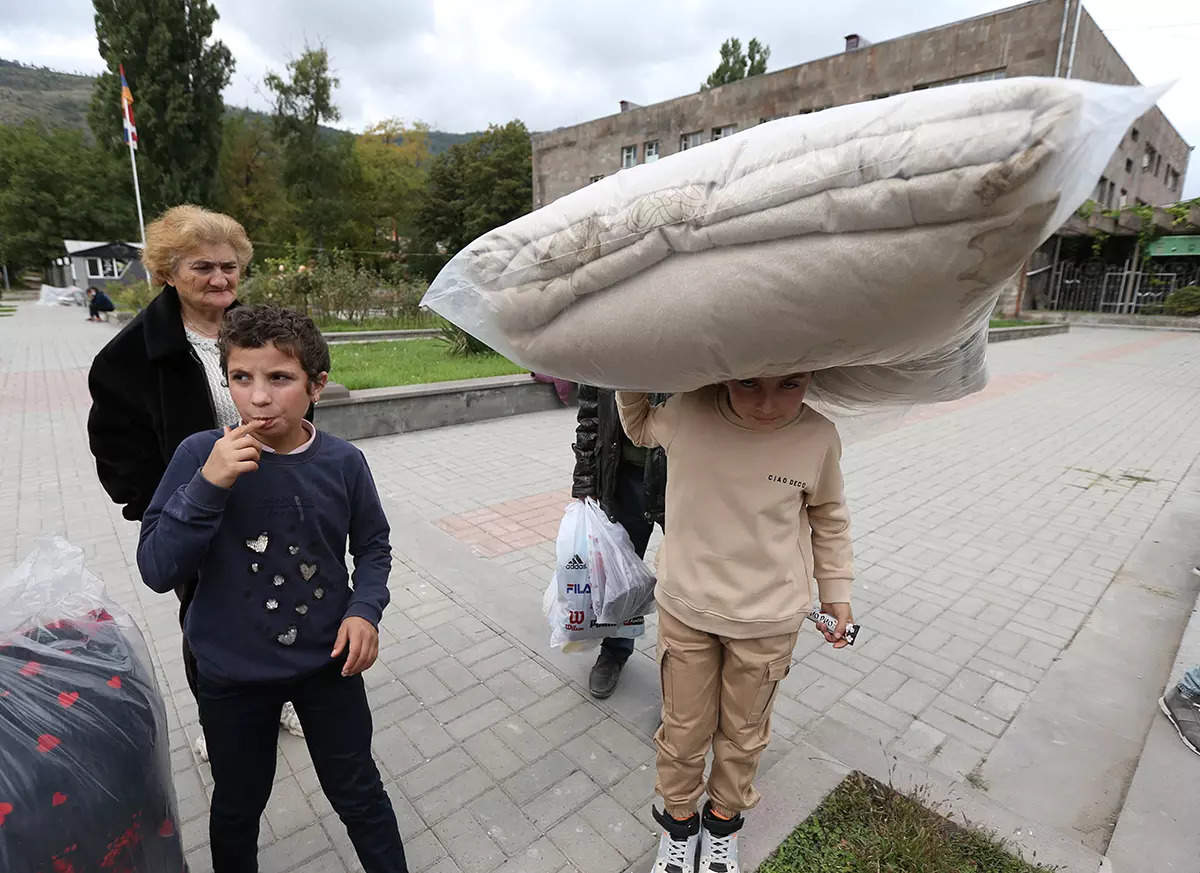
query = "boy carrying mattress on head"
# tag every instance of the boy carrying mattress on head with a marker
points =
(757, 512)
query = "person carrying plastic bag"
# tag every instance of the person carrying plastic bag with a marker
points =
(600, 587)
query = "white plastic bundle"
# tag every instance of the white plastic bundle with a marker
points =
(868, 243)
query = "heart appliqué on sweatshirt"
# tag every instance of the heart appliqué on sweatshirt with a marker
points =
(66, 699)
(272, 604)
(301, 608)
(259, 543)
(287, 637)
(48, 743)
(167, 828)
(31, 668)
(278, 580)
(5, 810)
(318, 593)
(254, 567)
(58, 799)
(308, 570)
(293, 550)
(114, 682)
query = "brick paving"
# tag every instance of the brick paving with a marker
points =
(985, 532)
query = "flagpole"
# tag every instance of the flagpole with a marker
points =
(137, 195)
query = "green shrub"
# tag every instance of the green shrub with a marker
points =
(461, 344)
(1184, 301)
(133, 296)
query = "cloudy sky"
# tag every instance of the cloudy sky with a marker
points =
(460, 64)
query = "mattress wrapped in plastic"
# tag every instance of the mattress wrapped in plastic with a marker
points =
(85, 774)
(868, 243)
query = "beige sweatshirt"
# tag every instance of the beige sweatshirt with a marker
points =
(753, 517)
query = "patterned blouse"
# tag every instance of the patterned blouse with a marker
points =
(218, 390)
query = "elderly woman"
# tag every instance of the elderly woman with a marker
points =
(159, 380)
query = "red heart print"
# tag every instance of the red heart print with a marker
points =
(31, 668)
(48, 742)
(167, 828)
(58, 799)
(67, 698)
(115, 682)
(5, 809)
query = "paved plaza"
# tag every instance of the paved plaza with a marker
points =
(986, 532)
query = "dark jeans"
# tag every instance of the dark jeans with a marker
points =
(241, 724)
(630, 513)
(95, 309)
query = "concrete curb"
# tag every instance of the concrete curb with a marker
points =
(1003, 334)
(1156, 829)
(333, 337)
(1069, 757)
(376, 412)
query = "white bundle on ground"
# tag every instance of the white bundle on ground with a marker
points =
(867, 242)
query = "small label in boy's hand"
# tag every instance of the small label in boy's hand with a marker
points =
(827, 620)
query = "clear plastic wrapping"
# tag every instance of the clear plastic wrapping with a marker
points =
(85, 773)
(867, 243)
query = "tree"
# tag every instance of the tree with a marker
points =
(176, 76)
(475, 187)
(320, 172)
(55, 186)
(249, 186)
(736, 64)
(394, 161)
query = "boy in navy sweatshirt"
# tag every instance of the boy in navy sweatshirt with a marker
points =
(262, 514)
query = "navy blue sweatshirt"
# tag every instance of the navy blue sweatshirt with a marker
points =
(270, 555)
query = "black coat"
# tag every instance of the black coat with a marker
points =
(599, 453)
(149, 393)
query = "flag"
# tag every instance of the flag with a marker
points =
(127, 112)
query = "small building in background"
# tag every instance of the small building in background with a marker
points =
(104, 265)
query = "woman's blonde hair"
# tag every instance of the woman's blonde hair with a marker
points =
(180, 229)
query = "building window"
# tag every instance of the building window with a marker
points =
(690, 140)
(628, 156)
(1172, 178)
(1157, 164)
(104, 268)
(1133, 134)
(1129, 165)
(720, 132)
(1124, 201)
(596, 178)
(650, 151)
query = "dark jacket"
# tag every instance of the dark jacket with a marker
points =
(148, 395)
(599, 453)
(102, 302)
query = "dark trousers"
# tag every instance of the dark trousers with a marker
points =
(241, 724)
(95, 309)
(630, 513)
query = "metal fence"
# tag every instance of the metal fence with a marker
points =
(1098, 286)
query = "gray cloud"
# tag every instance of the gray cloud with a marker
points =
(461, 64)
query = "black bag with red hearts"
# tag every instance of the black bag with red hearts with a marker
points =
(85, 775)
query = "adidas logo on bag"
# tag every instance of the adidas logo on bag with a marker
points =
(576, 563)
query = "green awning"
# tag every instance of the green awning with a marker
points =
(1174, 247)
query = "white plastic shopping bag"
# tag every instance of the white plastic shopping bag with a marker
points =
(588, 563)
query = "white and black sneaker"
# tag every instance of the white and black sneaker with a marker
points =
(718, 843)
(679, 843)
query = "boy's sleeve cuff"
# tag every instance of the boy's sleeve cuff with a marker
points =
(834, 590)
(205, 494)
(366, 612)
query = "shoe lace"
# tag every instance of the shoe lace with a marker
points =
(719, 851)
(677, 854)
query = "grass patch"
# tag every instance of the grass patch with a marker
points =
(864, 826)
(409, 362)
(1012, 322)
(415, 321)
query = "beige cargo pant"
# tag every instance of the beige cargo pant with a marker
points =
(717, 693)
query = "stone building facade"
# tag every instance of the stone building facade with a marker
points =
(1040, 38)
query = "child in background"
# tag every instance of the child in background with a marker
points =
(262, 513)
(757, 513)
